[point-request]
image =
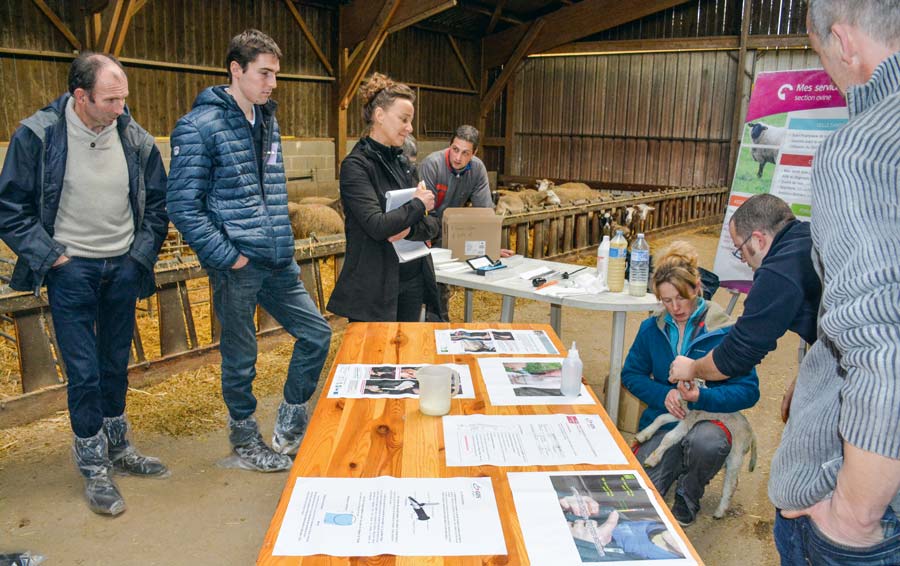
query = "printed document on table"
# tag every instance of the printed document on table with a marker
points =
(389, 380)
(529, 440)
(528, 381)
(407, 250)
(388, 515)
(491, 341)
(607, 517)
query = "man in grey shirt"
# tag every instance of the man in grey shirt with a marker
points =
(837, 469)
(456, 177)
(82, 204)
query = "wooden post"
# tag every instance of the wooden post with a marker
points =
(537, 249)
(581, 231)
(522, 239)
(737, 120)
(553, 246)
(568, 233)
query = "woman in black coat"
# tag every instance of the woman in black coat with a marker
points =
(373, 285)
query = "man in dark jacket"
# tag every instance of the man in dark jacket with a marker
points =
(227, 195)
(785, 294)
(82, 203)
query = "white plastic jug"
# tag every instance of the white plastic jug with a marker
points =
(437, 384)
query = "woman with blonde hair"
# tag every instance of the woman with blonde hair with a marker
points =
(373, 285)
(690, 326)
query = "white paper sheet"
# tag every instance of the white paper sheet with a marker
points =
(407, 250)
(389, 380)
(387, 515)
(594, 518)
(527, 381)
(529, 440)
(491, 341)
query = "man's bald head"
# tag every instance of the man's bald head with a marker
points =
(86, 68)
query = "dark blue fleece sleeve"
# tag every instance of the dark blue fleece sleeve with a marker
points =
(769, 309)
(735, 394)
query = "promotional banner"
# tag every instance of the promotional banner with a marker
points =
(789, 115)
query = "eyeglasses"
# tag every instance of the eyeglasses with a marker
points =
(737, 250)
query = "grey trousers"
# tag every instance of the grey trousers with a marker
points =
(693, 462)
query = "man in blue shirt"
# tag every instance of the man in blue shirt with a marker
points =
(785, 294)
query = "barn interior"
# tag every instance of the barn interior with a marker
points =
(641, 101)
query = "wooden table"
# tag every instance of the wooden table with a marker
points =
(507, 283)
(389, 437)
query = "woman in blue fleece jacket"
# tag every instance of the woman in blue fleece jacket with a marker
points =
(688, 326)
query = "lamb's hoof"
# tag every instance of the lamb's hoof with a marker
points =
(719, 513)
(651, 461)
(641, 437)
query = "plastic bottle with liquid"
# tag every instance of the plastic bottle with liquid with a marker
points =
(640, 267)
(603, 259)
(571, 373)
(618, 248)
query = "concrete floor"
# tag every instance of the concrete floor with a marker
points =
(205, 515)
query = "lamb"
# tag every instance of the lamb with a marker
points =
(743, 441)
(643, 213)
(771, 137)
(573, 192)
(517, 202)
(314, 220)
(330, 202)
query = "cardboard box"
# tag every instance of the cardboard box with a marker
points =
(471, 232)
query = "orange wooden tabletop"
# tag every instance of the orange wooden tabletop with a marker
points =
(364, 438)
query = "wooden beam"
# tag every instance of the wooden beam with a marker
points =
(462, 61)
(357, 18)
(411, 13)
(130, 11)
(212, 70)
(645, 46)
(373, 42)
(495, 17)
(478, 9)
(521, 50)
(309, 36)
(737, 120)
(571, 23)
(793, 41)
(711, 43)
(106, 42)
(352, 55)
(58, 23)
(96, 29)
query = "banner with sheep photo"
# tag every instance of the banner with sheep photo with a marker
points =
(790, 113)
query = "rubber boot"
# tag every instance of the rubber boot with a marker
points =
(92, 460)
(125, 458)
(252, 451)
(290, 426)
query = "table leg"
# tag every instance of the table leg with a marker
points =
(616, 352)
(507, 309)
(556, 319)
(470, 296)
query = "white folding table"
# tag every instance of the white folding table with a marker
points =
(510, 285)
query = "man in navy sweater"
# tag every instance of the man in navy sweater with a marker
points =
(785, 294)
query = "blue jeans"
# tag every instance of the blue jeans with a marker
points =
(280, 291)
(92, 303)
(800, 543)
(694, 462)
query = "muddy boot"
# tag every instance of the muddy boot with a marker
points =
(290, 425)
(252, 451)
(91, 458)
(125, 458)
